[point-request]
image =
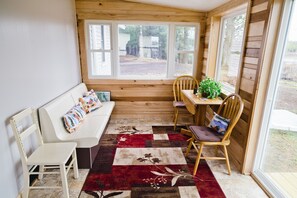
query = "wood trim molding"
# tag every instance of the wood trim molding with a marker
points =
(82, 49)
(215, 25)
(201, 47)
(245, 36)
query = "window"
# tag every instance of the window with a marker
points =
(143, 50)
(100, 49)
(232, 30)
(184, 50)
(146, 50)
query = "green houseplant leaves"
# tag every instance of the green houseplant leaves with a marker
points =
(209, 88)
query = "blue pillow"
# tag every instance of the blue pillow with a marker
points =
(219, 124)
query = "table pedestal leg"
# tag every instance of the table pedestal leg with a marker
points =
(200, 121)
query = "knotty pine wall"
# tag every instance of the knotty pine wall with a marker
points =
(258, 16)
(135, 98)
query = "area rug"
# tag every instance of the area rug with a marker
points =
(147, 162)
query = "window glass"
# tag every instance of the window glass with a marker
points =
(230, 50)
(185, 38)
(100, 49)
(276, 158)
(100, 37)
(101, 63)
(143, 50)
(184, 64)
(184, 50)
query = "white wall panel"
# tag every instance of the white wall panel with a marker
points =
(38, 61)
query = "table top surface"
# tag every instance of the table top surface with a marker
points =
(198, 100)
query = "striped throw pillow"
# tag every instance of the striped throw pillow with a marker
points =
(74, 117)
(71, 121)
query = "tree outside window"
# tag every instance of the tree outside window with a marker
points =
(230, 50)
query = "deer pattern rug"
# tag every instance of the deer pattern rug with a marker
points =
(147, 161)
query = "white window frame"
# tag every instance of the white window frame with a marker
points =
(227, 87)
(115, 65)
(89, 50)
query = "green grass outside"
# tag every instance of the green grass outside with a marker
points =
(281, 152)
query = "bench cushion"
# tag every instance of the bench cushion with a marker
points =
(89, 132)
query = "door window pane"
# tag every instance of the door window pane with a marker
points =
(278, 160)
(143, 50)
(230, 50)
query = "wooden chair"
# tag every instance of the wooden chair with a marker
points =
(231, 108)
(181, 83)
(46, 155)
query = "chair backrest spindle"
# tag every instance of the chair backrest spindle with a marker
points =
(185, 82)
(21, 136)
(231, 108)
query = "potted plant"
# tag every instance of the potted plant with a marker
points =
(209, 88)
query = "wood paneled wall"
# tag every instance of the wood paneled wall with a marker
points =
(124, 10)
(135, 98)
(252, 63)
(257, 17)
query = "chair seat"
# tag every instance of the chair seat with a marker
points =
(52, 153)
(204, 133)
(178, 104)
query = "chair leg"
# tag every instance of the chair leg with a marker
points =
(227, 160)
(64, 180)
(174, 115)
(41, 169)
(197, 160)
(176, 118)
(189, 146)
(25, 193)
(75, 167)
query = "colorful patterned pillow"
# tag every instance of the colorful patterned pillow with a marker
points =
(73, 118)
(90, 101)
(79, 111)
(88, 93)
(71, 121)
(219, 123)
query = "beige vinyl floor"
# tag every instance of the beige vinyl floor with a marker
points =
(234, 186)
